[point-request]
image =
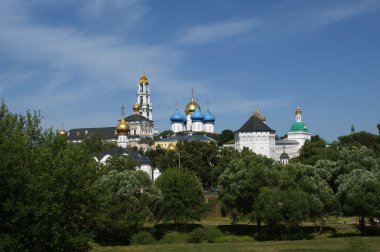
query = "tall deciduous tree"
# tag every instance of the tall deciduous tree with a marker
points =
(126, 200)
(183, 201)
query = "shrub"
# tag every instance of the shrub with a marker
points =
(199, 235)
(142, 238)
(174, 237)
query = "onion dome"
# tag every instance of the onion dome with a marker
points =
(136, 107)
(197, 115)
(284, 155)
(122, 127)
(191, 106)
(263, 118)
(177, 117)
(209, 117)
(171, 147)
(298, 126)
(143, 80)
(298, 111)
(62, 133)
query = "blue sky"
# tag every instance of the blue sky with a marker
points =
(79, 61)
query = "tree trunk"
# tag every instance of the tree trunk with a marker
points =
(259, 226)
(362, 222)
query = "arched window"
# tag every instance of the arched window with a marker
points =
(141, 99)
(141, 87)
(147, 114)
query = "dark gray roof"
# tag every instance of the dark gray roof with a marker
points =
(187, 138)
(136, 118)
(254, 124)
(286, 142)
(284, 156)
(118, 151)
(78, 134)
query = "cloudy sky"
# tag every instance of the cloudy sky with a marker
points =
(79, 61)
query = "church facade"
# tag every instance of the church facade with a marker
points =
(140, 122)
(257, 136)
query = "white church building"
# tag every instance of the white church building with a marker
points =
(257, 136)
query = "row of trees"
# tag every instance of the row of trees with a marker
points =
(256, 189)
(55, 197)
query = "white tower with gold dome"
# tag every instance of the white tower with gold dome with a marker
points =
(122, 130)
(143, 98)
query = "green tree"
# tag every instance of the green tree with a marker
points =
(359, 193)
(225, 136)
(46, 193)
(120, 163)
(126, 200)
(183, 201)
(315, 150)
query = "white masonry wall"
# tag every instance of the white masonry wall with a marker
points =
(259, 142)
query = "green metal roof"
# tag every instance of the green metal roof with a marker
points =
(298, 126)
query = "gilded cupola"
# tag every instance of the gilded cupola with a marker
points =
(122, 127)
(192, 105)
(136, 108)
(257, 113)
(143, 79)
(298, 111)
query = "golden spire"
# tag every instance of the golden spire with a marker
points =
(122, 127)
(143, 79)
(298, 111)
(257, 113)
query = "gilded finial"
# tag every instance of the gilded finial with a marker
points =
(62, 132)
(298, 111)
(263, 118)
(143, 79)
(257, 113)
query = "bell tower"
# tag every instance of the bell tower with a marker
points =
(143, 97)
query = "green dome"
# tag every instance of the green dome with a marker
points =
(298, 126)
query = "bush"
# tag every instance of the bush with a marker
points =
(199, 235)
(174, 237)
(142, 238)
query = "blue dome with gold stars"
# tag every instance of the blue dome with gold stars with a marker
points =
(209, 117)
(177, 117)
(197, 115)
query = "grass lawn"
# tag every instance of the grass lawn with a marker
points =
(359, 244)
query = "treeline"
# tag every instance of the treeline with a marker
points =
(55, 197)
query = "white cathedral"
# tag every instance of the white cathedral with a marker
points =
(194, 121)
(257, 136)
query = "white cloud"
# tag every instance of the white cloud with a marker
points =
(208, 33)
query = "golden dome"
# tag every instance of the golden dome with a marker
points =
(191, 106)
(62, 132)
(298, 111)
(122, 127)
(171, 147)
(136, 107)
(143, 80)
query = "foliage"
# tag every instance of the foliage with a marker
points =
(362, 138)
(183, 201)
(120, 163)
(96, 143)
(126, 200)
(225, 136)
(198, 157)
(165, 134)
(359, 192)
(315, 150)
(46, 192)
(142, 238)
(199, 235)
